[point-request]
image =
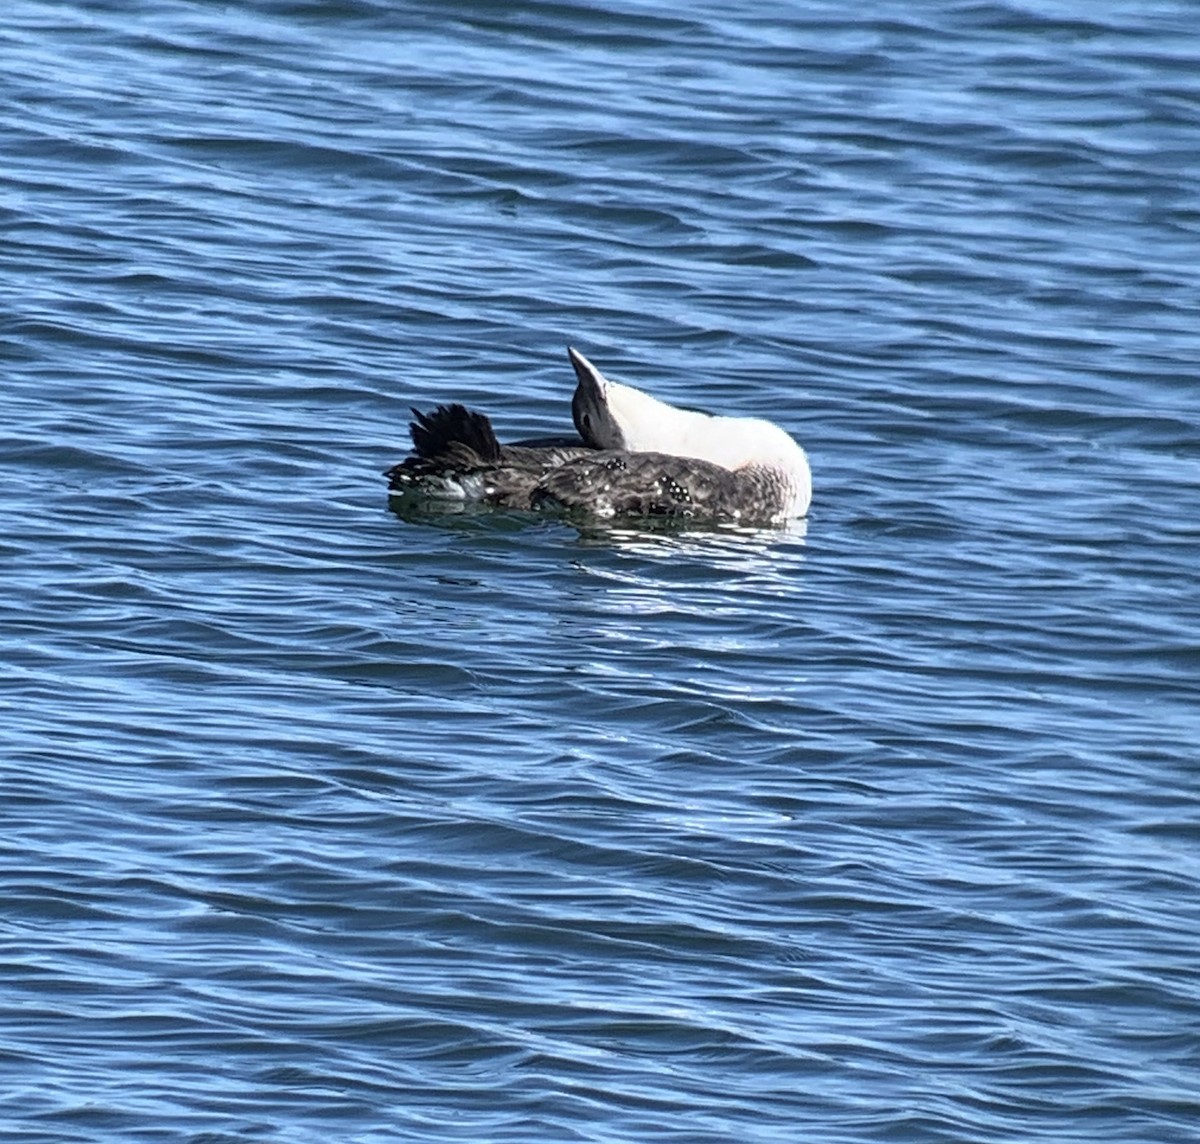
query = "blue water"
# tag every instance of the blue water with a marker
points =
(324, 822)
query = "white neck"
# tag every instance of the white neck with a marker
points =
(652, 426)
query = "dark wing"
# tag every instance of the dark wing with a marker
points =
(543, 458)
(548, 443)
(655, 484)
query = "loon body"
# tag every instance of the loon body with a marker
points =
(634, 455)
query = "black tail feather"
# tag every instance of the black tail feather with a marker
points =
(434, 434)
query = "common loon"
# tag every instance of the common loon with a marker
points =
(634, 456)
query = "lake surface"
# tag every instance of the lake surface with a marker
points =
(324, 822)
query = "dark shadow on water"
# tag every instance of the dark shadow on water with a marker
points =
(459, 516)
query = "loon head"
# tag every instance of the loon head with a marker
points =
(594, 420)
(610, 415)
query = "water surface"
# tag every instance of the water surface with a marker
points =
(327, 822)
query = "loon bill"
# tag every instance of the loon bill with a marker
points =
(634, 456)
